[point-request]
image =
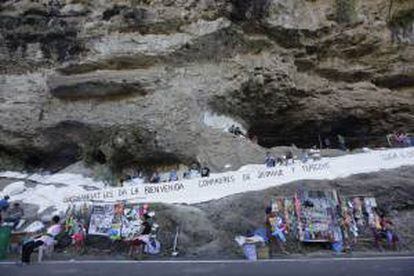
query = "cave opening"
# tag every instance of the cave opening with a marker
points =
(357, 133)
(126, 163)
(159, 161)
(53, 160)
(98, 156)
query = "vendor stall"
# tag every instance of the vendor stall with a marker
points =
(130, 223)
(318, 217)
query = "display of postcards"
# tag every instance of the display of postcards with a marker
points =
(101, 219)
(317, 215)
(359, 215)
(115, 220)
(100, 224)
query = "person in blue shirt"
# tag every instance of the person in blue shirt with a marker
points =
(14, 214)
(155, 178)
(4, 203)
(270, 160)
(173, 176)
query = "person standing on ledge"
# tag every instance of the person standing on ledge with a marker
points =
(270, 160)
(173, 176)
(205, 172)
(341, 141)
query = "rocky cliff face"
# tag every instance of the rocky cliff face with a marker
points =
(131, 81)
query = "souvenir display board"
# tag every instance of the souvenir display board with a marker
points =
(102, 219)
(284, 207)
(131, 221)
(323, 216)
(318, 216)
(360, 216)
(116, 227)
(118, 221)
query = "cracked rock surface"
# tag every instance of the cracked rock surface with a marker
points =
(134, 79)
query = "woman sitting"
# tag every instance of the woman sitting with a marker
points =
(47, 239)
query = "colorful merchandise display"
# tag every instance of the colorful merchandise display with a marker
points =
(324, 216)
(317, 215)
(283, 218)
(360, 218)
(129, 222)
(102, 220)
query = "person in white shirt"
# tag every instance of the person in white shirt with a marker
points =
(46, 239)
(315, 153)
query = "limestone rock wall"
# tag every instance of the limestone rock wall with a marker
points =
(132, 80)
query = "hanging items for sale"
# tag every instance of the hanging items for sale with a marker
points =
(281, 218)
(317, 216)
(360, 218)
(129, 222)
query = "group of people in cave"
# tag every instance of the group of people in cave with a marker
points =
(194, 171)
(400, 139)
(314, 153)
(289, 158)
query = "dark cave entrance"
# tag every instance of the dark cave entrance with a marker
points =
(54, 160)
(357, 133)
(146, 163)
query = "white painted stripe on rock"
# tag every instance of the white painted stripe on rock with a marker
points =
(248, 178)
(253, 178)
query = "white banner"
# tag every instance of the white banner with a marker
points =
(252, 178)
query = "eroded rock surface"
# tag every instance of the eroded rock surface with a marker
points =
(132, 80)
